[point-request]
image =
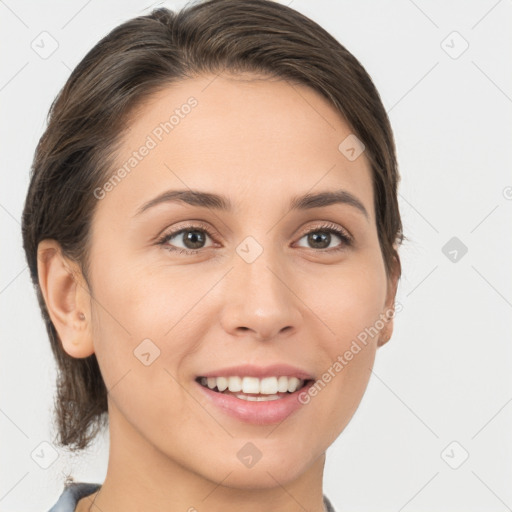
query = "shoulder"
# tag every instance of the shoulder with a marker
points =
(328, 505)
(72, 494)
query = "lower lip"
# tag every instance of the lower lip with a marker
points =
(258, 413)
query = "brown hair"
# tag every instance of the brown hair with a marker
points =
(88, 117)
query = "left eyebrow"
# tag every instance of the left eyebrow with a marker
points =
(219, 202)
(328, 198)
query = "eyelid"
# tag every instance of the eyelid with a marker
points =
(327, 225)
(191, 225)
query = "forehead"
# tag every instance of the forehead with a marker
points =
(244, 135)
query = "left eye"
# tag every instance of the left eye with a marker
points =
(321, 238)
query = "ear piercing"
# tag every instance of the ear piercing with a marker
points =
(81, 316)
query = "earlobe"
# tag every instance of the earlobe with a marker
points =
(385, 333)
(67, 298)
(389, 312)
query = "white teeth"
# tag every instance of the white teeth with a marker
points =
(282, 384)
(268, 386)
(250, 398)
(222, 383)
(234, 384)
(293, 384)
(250, 385)
(265, 386)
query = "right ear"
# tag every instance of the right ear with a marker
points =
(67, 298)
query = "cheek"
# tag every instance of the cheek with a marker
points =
(138, 325)
(349, 303)
(137, 297)
(135, 304)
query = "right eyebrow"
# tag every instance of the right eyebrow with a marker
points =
(192, 197)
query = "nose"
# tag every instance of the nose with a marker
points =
(259, 300)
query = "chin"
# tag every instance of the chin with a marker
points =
(261, 477)
(279, 468)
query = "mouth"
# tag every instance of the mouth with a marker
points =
(254, 389)
(257, 395)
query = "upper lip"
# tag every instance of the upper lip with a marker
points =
(273, 370)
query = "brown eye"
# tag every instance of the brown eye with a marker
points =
(319, 239)
(191, 238)
(322, 237)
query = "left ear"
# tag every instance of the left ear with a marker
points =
(389, 310)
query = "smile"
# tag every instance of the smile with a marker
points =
(253, 388)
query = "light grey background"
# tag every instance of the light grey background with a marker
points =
(445, 375)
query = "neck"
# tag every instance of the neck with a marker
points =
(141, 477)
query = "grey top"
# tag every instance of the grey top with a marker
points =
(74, 492)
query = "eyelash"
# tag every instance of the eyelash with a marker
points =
(346, 239)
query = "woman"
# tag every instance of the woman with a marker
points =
(212, 229)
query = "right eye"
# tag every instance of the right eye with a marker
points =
(192, 237)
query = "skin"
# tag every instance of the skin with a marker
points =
(296, 303)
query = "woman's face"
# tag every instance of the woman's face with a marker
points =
(259, 290)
